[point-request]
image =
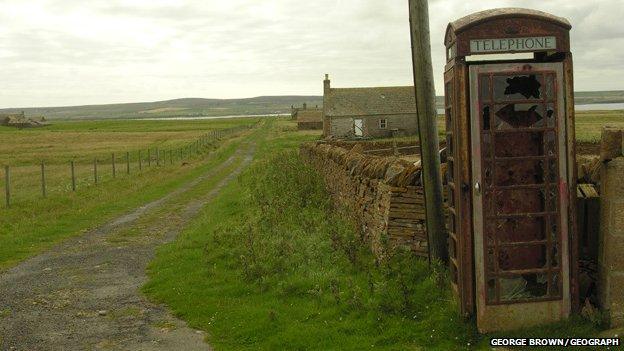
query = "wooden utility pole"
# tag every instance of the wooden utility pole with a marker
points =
(427, 129)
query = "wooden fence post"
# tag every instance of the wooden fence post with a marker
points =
(95, 175)
(7, 185)
(113, 162)
(43, 180)
(73, 175)
(171, 157)
(128, 162)
(140, 162)
(157, 157)
(149, 157)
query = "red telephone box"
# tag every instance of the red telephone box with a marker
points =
(511, 167)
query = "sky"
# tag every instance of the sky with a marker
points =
(76, 52)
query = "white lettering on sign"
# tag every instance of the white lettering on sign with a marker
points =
(513, 44)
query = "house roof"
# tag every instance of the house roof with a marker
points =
(370, 101)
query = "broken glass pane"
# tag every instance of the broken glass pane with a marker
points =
(550, 115)
(513, 288)
(519, 116)
(526, 286)
(519, 87)
(486, 118)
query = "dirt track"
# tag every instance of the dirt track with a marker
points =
(84, 294)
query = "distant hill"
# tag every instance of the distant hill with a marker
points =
(195, 107)
(190, 107)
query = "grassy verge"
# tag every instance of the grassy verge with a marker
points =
(270, 265)
(35, 225)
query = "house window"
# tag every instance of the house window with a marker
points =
(383, 123)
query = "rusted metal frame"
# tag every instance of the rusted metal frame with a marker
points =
(518, 187)
(520, 130)
(546, 185)
(520, 215)
(493, 161)
(455, 234)
(518, 301)
(572, 171)
(547, 177)
(517, 272)
(523, 243)
(464, 221)
(487, 190)
(514, 158)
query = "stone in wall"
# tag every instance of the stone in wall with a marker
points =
(611, 255)
(383, 193)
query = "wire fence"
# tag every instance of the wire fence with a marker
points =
(43, 179)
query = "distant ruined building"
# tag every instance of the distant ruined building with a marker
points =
(368, 112)
(308, 118)
(19, 120)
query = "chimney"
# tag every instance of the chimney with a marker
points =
(326, 85)
(326, 91)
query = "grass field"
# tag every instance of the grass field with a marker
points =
(588, 125)
(271, 265)
(33, 223)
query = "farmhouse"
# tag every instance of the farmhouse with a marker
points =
(368, 112)
(308, 118)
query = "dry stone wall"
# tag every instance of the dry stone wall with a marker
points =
(384, 194)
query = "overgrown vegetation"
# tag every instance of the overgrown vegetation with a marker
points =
(282, 269)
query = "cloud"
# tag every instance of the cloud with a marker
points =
(66, 52)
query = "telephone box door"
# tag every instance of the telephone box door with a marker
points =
(519, 194)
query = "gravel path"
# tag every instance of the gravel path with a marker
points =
(84, 293)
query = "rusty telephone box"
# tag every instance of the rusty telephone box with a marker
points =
(509, 109)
